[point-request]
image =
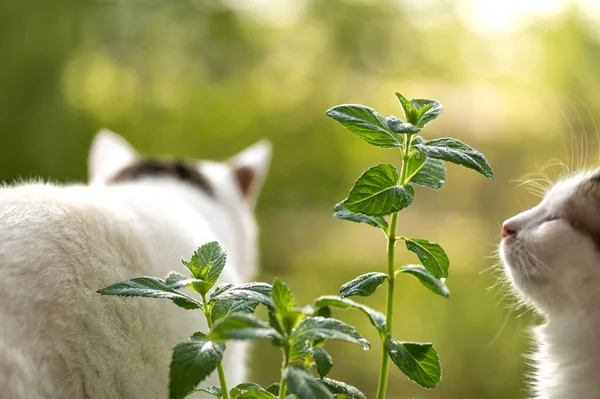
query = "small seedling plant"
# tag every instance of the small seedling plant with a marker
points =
(376, 199)
(301, 333)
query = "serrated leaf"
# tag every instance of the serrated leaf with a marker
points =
(314, 328)
(282, 297)
(323, 361)
(150, 287)
(397, 125)
(214, 391)
(410, 112)
(418, 361)
(365, 123)
(254, 395)
(193, 360)
(206, 264)
(455, 151)
(435, 285)
(376, 192)
(431, 255)
(290, 319)
(250, 390)
(304, 385)
(341, 388)
(377, 318)
(341, 212)
(363, 285)
(176, 281)
(241, 326)
(221, 309)
(425, 171)
(250, 292)
(300, 351)
(427, 110)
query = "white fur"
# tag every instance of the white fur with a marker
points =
(59, 244)
(556, 268)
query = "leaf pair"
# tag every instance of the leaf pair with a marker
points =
(305, 386)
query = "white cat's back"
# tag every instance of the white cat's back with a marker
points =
(58, 246)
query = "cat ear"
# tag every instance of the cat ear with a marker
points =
(250, 168)
(109, 153)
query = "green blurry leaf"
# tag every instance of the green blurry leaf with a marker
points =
(282, 297)
(150, 287)
(431, 255)
(241, 326)
(290, 319)
(342, 213)
(364, 285)
(300, 351)
(341, 388)
(214, 391)
(323, 361)
(377, 318)
(304, 385)
(454, 151)
(419, 362)
(250, 292)
(365, 123)
(206, 264)
(434, 284)
(193, 360)
(376, 192)
(427, 110)
(249, 390)
(221, 309)
(397, 125)
(314, 328)
(273, 388)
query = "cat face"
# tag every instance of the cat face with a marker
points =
(551, 252)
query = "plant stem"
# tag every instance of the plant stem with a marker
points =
(389, 307)
(283, 382)
(220, 371)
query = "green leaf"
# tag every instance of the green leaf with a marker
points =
(150, 287)
(300, 351)
(365, 123)
(273, 388)
(282, 297)
(221, 309)
(241, 326)
(341, 388)
(313, 328)
(431, 255)
(397, 125)
(376, 192)
(410, 111)
(250, 390)
(377, 318)
(206, 264)
(304, 385)
(193, 360)
(364, 285)
(176, 281)
(427, 110)
(290, 319)
(419, 362)
(454, 151)
(425, 171)
(250, 292)
(434, 284)
(214, 391)
(342, 213)
(323, 361)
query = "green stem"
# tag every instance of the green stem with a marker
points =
(389, 306)
(220, 371)
(283, 382)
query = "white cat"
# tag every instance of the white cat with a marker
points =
(59, 244)
(552, 256)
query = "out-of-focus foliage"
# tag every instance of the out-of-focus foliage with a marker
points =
(204, 78)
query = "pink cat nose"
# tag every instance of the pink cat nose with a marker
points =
(507, 229)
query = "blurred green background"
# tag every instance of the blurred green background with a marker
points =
(203, 79)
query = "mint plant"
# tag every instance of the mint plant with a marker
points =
(376, 199)
(300, 333)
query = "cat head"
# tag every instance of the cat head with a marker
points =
(224, 193)
(551, 252)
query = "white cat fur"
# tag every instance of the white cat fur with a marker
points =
(554, 265)
(59, 244)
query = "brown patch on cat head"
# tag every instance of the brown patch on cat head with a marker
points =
(245, 177)
(177, 170)
(583, 209)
